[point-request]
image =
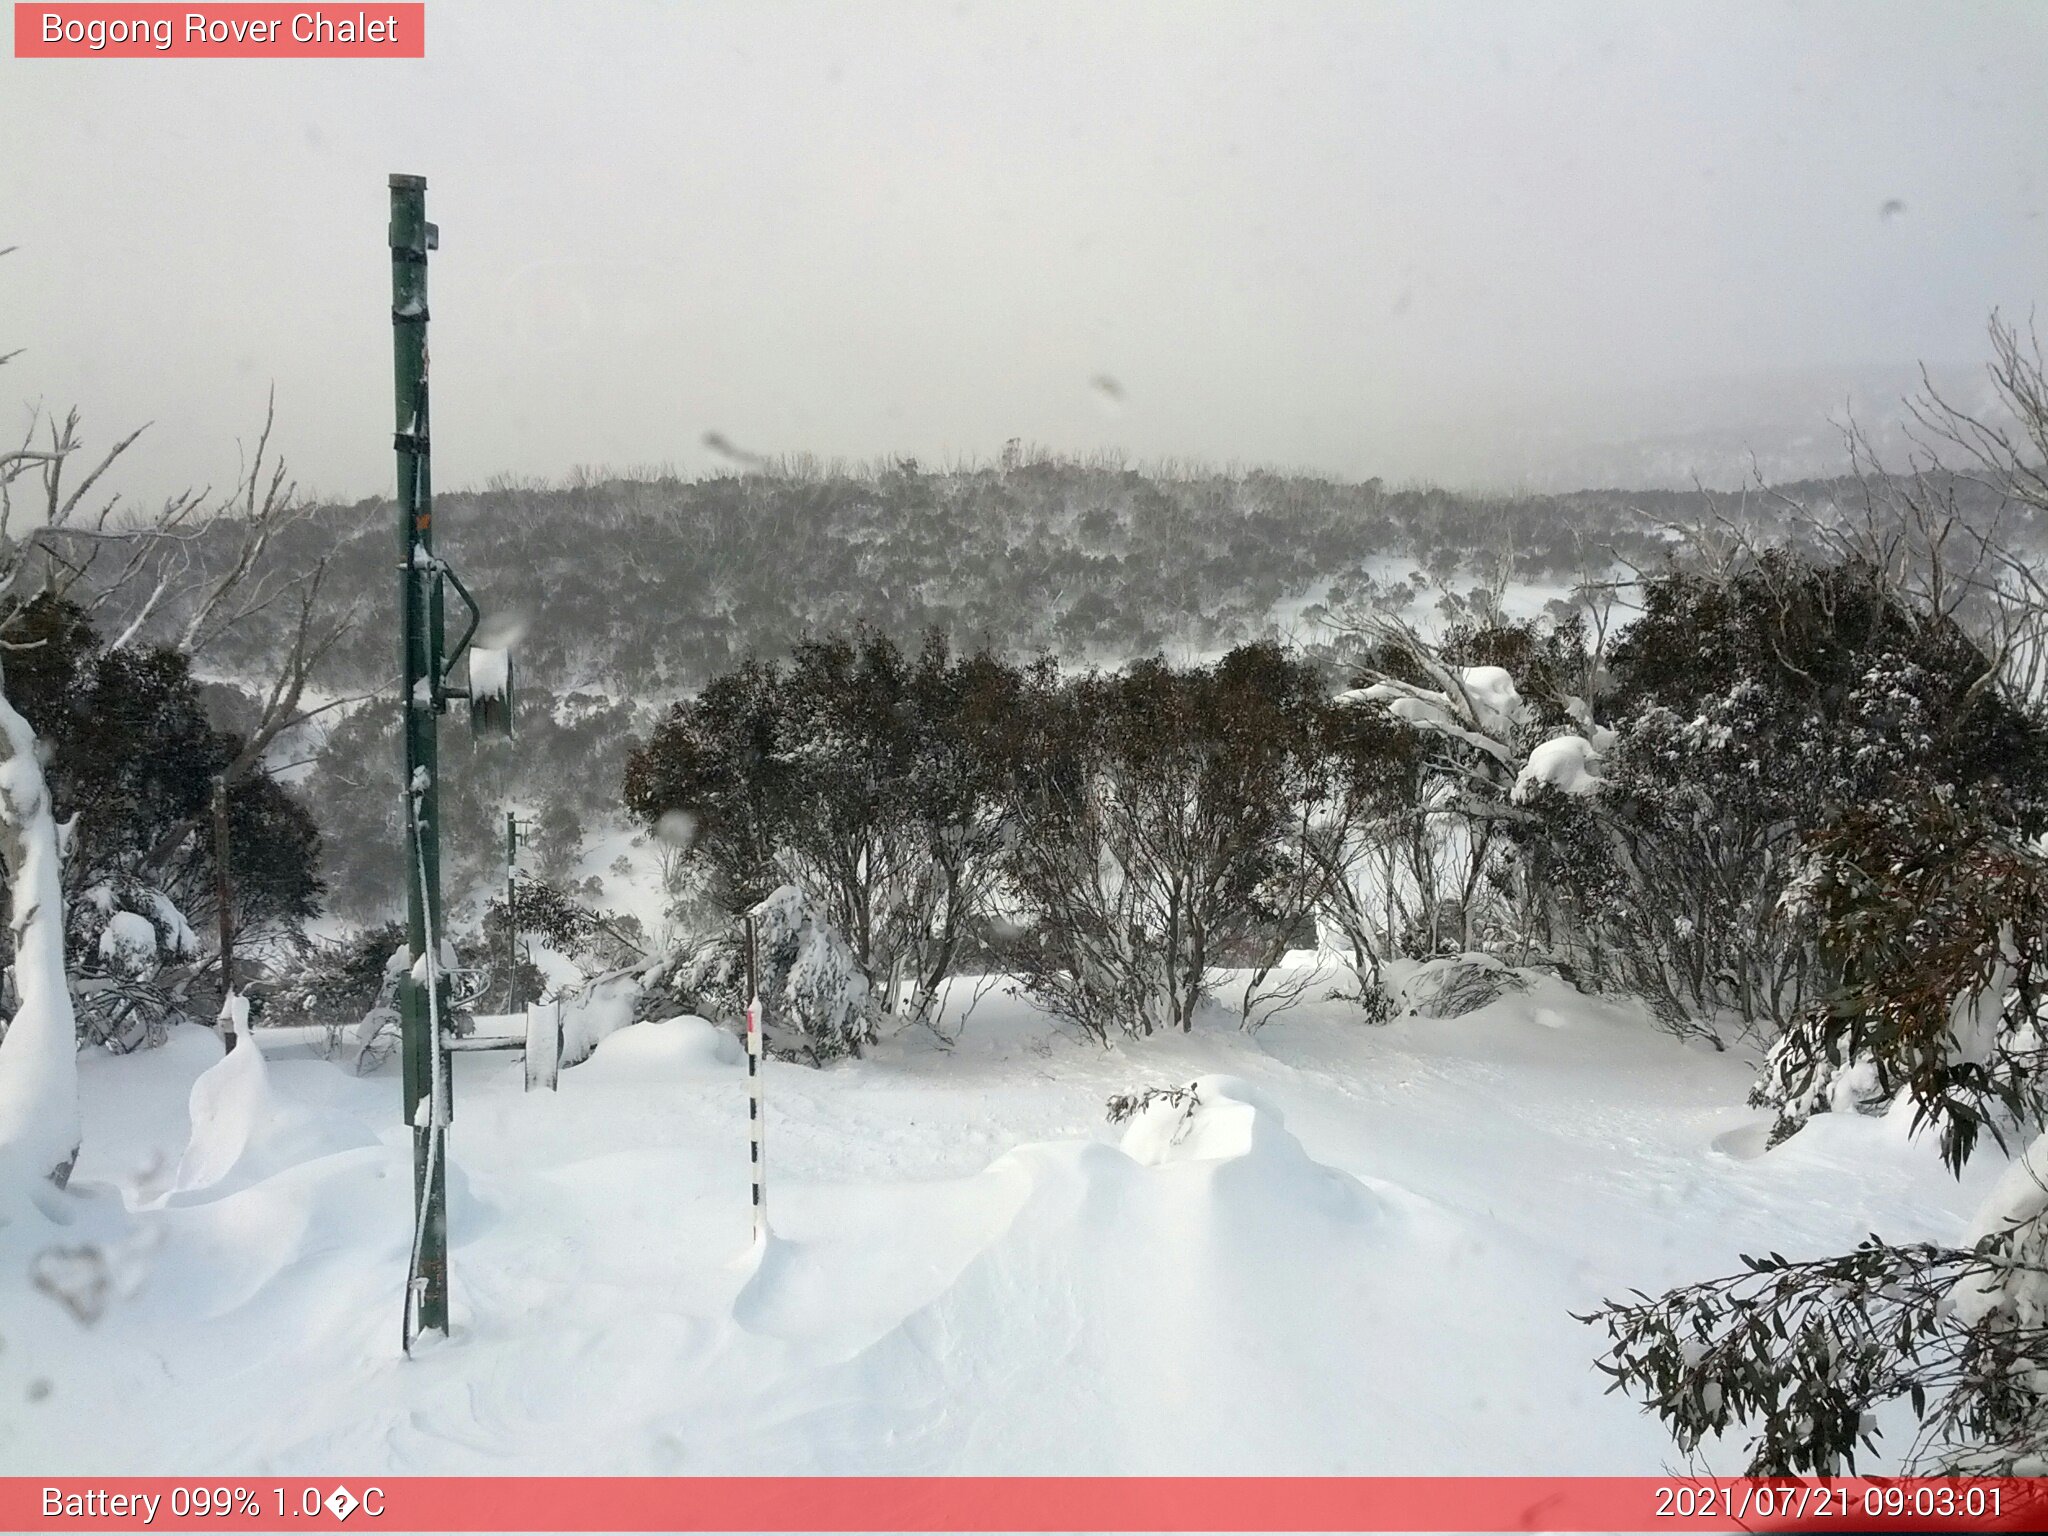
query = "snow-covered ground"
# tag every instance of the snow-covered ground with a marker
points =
(1359, 1256)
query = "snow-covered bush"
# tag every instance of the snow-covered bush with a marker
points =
(1755, 711)
(866, 776)
(337, 981)
(123, 935)
(1454, 986)
(1153, 810)
(1489, 730)
(817, 1001)
(597, 942)
(1121, 1107)
(133, 759)
(594, 1012)
(1936, 924)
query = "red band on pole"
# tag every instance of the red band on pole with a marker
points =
(1024, 1504)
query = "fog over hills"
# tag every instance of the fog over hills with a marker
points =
(624, 593)
(1721, 432)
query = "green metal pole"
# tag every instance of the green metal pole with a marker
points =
(420, 647)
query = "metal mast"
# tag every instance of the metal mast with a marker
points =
(422, 994)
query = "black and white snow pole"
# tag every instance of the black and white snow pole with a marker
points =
(224, 904)
(512, 1003)
(757, 1119)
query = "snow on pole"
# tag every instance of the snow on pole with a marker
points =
(756, 1111)
(544, 1045)
(490, 690)
(424, 1082)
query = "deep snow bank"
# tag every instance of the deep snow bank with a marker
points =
(1359, 1251)
(1202, 1297)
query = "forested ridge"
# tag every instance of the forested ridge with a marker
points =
(650, 586)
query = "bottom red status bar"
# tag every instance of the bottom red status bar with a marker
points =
(1025, 1504)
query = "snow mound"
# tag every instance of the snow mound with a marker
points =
(1221, 1117)
(244, 1131)
(1116, 1297)
(684, 1046)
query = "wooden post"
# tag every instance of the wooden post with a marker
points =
(223, 896)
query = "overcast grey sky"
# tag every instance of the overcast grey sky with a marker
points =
(1369, 238)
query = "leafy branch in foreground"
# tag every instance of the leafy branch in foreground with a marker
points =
(1807, 1351)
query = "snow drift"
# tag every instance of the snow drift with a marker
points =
(662, 1048)
(1197, 1298)
(1352, 1251)
(243, 1132)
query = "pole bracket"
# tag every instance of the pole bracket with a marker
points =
(476, 616)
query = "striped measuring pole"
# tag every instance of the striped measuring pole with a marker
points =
(756, 1112)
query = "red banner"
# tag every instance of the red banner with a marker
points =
(1024, 1504)
(100, 31)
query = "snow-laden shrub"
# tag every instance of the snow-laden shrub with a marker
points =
(815, 987)
(817, 1001)
(1121, 1107)
(866, 775)
(1937, 924)
(596, 942)
(338, 978)
(123, 936)
(1454, 986)
(349, 987)
(1478, 734)
(1757, 711)
(593, 1013)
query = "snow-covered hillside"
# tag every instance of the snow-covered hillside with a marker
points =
(1358, 1253)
